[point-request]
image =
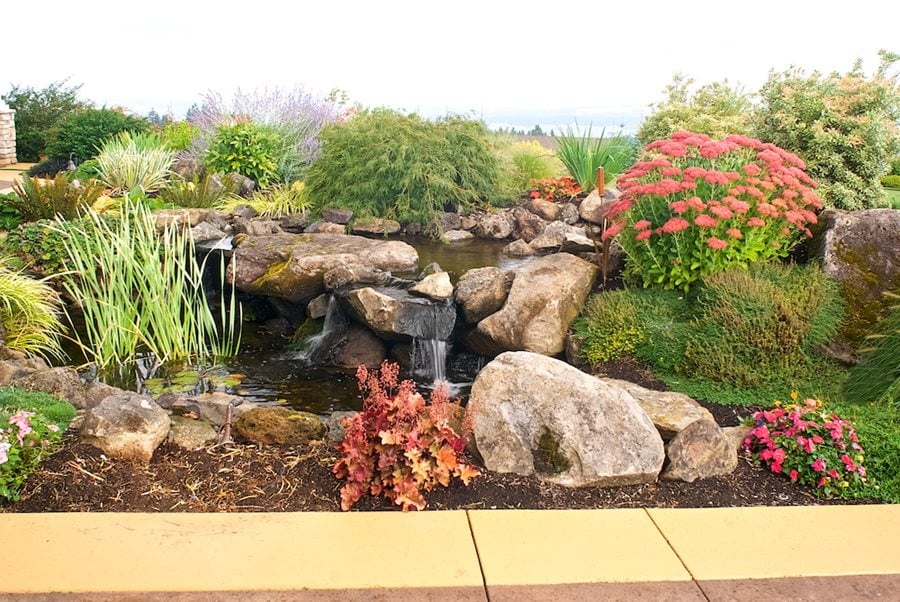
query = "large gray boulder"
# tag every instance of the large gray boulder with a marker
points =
(547, 294)
(669, 411)
(480, 292)
(594, 207)
(128, 426)
(396, 315)
(537, 415)
(292, 266)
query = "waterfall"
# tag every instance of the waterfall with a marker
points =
(429, 359)
(334, 320)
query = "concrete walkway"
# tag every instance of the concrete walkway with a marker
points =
(802, 553)
(10, 174)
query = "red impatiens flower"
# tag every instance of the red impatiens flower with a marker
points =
(818, 465)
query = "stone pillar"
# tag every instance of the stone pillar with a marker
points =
(7, 135)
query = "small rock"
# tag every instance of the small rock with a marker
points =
(528, 225)
(576, 242)
(345, 275)
(569, 213)
(183, 217)
(554, 235)
(318, 307)
(334, 425)
(126, 426)
(467, 222)
(518, 248)
(669, 411)
(457, 236)
(353, 347)
(296, 223)
(191, 434)
(278, 426)
(96, 392)
(376, 226)
(594, 207)
(188, 168)
(244, 185)
(245, 212)
(326, 227)
(205, 231)
(337, 216)
(450, 221)
(699, 451)
(547, 210)
(435, 286)
(736, 436)
(257, 227)
(496, 226)
(212, 407)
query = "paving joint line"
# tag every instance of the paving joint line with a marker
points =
(677, 555)
(487, 594)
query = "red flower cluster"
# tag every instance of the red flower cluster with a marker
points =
(554, 189)
(811, 446)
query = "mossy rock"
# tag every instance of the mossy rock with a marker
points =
(278, 426)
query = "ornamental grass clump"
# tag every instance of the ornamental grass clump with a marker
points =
(130, 161)
(811, 446)
(29, 314)
(697, 206)
(398, 446)
(583, 155)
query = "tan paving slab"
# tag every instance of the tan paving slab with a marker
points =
(770, 542)
(237, 552)
(541, 547)
(802, 589)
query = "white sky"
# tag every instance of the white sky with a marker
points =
(525, 57)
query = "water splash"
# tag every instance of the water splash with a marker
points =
(317, 343)
(429, 359)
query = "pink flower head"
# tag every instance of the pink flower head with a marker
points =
(767, 209)
(675, 224)
(643, 235)
(612, 231)
(4, 447)
(705, 221)
(679, 207)
(716, 244)
(751, 169)
(818, 465)
(734, 233)
(641, 225)
(794, 475)
(696, 203)
(21, 420)
(736, 205)
(756, 222)
(721, 212)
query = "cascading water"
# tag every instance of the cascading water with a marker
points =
(429, 359)
(334, 321)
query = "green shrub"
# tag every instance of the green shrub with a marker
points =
(29, 314)
(207, 192)
(48, 168)
(877, 377)
(245, 148)
(130, 161)
(276, 202)
(40, 246)
(55, 410)
(523, 161)
(178, 135)
(843, 126)
(9, 215)
(37, 112)
(583, 155)
(698, 206)
(716, 109)
(609, 326)
(890, 181)
(86, 170)
(878, 427)
(44, 199)
(81, 134)
(385, 164)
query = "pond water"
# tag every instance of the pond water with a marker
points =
(268, 371)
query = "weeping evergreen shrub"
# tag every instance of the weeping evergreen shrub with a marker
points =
(382, 163)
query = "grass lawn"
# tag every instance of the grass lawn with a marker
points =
(893, 197)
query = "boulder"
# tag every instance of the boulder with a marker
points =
(242, 184)
(518, 248)
(292, 266)
(188, 168)
(63, 383)
(496, 226)
(97, 391)
(528, 225)
(547, 210)
(346, 275)
(534, 414)
(593, 208)
(183, 217)
(435, 286)
(450, 221)
(576, 242)
(295, 222)
(257, 227)
(457, 236)
(569, 213)
(278, 426)
(16, 365)
(669, 411)
(547, 294)
(467, 222)
(244, 212)
(396, 315)
(701, 450)
(325, 227)
(554, 235)
(350, 348)
(205, 231)
(334, 426)
(337, 216)
(211, 407)
(191, 434)
(126, 426)
(736, 436)
(318, 307)
(375, 226)
(480, 292)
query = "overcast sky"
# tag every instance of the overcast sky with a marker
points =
(557, 57)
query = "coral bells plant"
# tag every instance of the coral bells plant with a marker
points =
(399, 445)
(25, 438)
(810, 446)
(697, 206)
(554, 189)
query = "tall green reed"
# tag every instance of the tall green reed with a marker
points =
(583, 154)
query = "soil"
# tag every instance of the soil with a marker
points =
(247, 478)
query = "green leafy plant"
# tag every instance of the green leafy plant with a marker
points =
(37, 112)
(843, 125)
(55, 410)
(399, 446)
(609, 326)
(891, 181)
(384, 164)
(44, 199)
(717, 110)
(583, 155)
(877, 377)
(207, 192)
(178, 135)
(39, 246)
(811, 446)
(29, 314)
(244, 148)
(129, 161)
(23, 445)
(555, 189)
(86, 170)
(276, 202)
(698, 206)
(140, 290)
(79, 135)
(9, 215)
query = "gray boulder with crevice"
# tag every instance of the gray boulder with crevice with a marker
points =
(127, 426)
(537, 415)
(701, 450)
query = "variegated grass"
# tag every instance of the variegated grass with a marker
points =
(129, 161)
(30, 313)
